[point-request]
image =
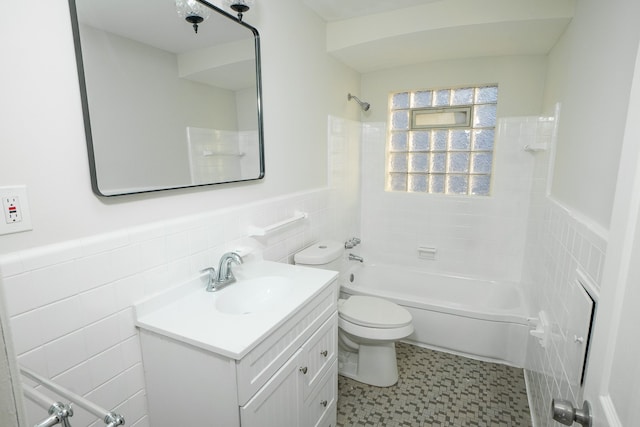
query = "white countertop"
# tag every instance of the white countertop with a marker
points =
(188, 313)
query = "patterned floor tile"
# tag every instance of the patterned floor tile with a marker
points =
(437, 389)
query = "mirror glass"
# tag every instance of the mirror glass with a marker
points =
(165, 106)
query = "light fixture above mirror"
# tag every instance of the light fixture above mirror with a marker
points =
(240, 6)
(193, 12)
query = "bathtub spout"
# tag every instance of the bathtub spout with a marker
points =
(353, 257)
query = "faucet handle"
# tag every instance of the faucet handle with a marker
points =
(211, 277)
(351, 243)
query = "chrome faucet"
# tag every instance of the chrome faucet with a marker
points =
(224, 275)
(353, 257)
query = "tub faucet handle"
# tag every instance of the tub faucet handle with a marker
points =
(351, 243)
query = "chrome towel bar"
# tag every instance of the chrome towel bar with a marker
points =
(59, 413)
(110, 418)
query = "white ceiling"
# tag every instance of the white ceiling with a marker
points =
(335, 10)
(370, 35)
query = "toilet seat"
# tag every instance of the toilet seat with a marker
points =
(372, 312)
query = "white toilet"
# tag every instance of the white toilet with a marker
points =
(368, 326)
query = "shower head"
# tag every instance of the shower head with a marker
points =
(364, 105)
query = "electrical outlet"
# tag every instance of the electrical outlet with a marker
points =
(15, 207)
(12, 209)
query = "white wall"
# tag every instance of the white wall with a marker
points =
(590, 73)
(43, 142)
(475, 236)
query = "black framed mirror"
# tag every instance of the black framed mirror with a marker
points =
(168, 102)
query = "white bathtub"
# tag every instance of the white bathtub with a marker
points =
(480, 319)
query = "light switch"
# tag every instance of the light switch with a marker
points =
(15, 207)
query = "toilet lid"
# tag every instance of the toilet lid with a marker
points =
(374, 312)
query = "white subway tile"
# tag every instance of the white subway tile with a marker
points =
(11, 264)
(152, 253)
(177, 245)
(128, 291)
(26, 331)
(20, 294)
(125, 261)
(106, 365)
(103, 334)
(127, 326)
(61, 318)
(93, 271)
(35, 360)
(75, 379)
(57, 281)
(156, 280)
(142, 422)
(65, 352)
(98, 303)
(45, 256)
(131, 351)
(104, 242)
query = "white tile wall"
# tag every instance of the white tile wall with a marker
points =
(70, 304)
(480, 237)
(561, 244)
(558, 243)
(344, 175)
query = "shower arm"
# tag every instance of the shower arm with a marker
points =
(364, 105)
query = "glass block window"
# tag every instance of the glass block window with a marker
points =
(441, 140)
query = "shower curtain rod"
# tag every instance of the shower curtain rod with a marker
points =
(110, 418)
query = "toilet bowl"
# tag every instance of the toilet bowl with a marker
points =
(368, 327)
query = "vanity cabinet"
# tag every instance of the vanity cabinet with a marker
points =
(287, 379)
(304, 391)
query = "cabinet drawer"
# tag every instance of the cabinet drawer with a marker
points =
(319, 352)
(321, 406)
(255, 369)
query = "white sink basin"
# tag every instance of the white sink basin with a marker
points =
(254, 295)
(233, 320)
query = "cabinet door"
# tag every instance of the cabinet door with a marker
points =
(278, 403)
(319, 353)
(321, 406)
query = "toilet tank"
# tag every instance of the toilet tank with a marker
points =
(326, 254)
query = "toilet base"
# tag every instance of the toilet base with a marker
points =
(372, 364)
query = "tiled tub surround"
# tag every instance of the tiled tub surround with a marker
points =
(70, 304)
(474, 236)
(565, 243)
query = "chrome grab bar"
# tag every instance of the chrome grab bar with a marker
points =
(110, 418)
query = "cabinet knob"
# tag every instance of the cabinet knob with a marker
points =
(303, 370)
(324, 403)
(324, 353)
